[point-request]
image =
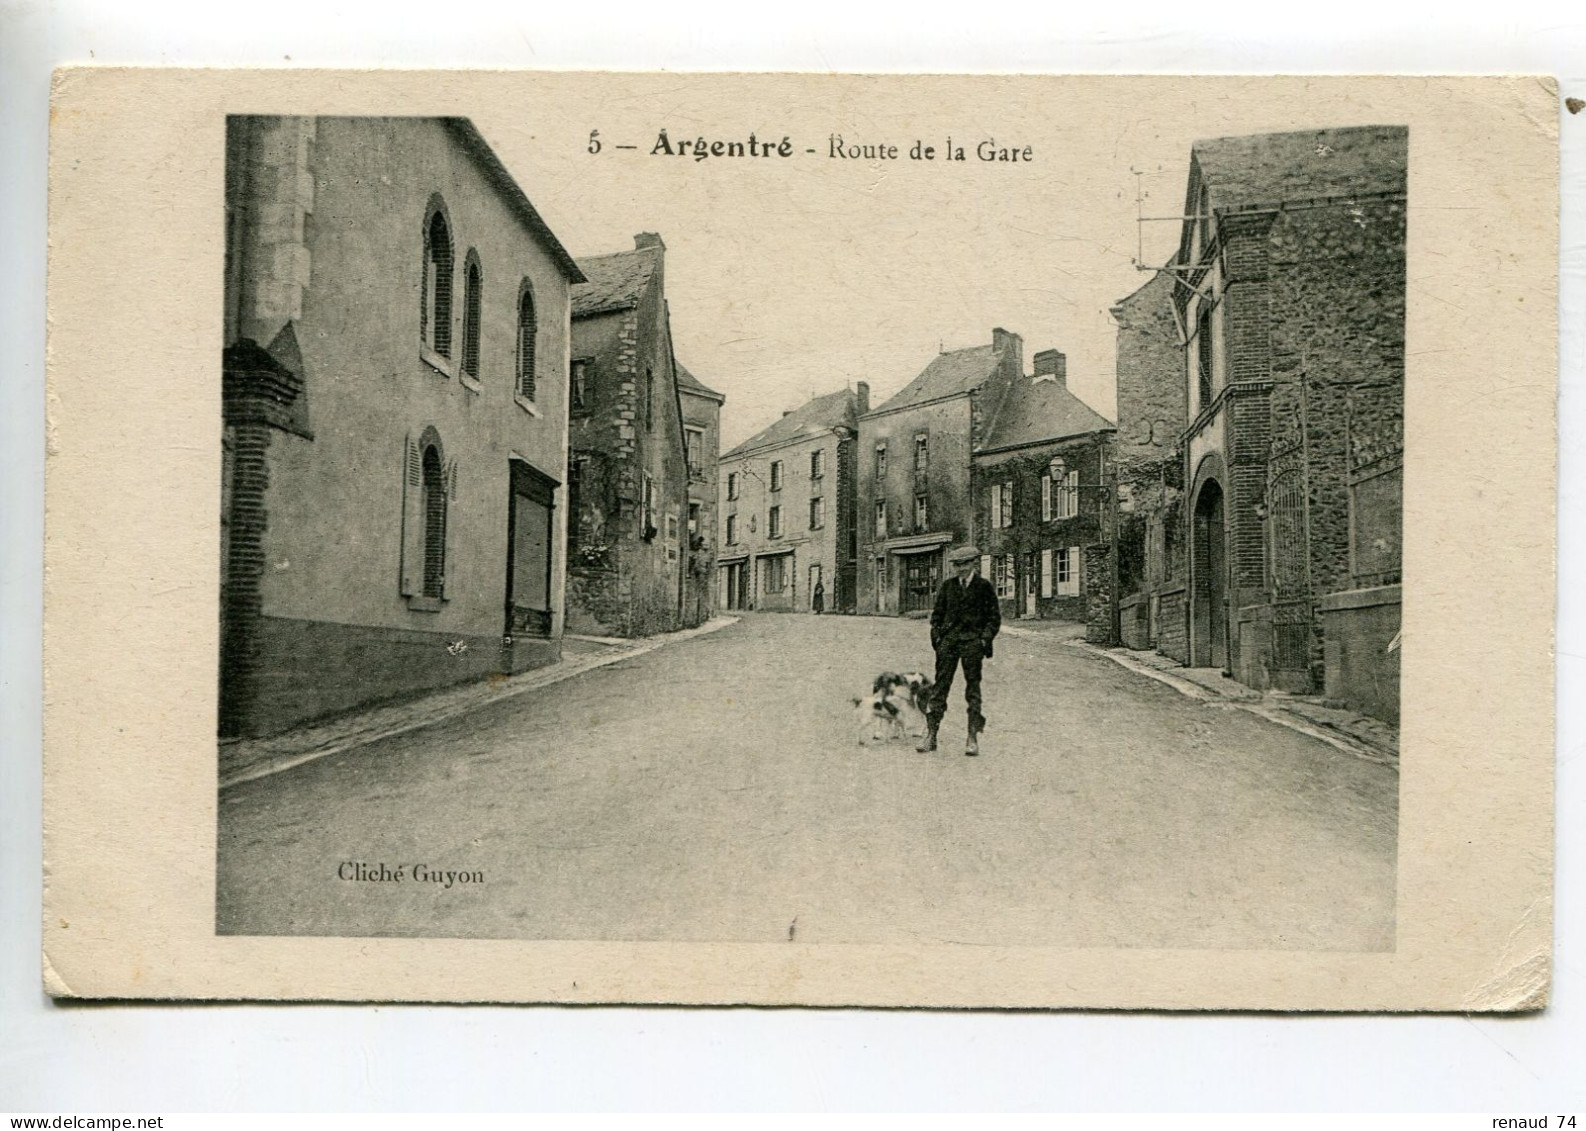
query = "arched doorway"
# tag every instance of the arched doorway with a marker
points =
(1208, 580)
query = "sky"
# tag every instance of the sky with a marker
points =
(791, 277)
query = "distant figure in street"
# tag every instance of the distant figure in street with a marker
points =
(964, 622)
(819, 602)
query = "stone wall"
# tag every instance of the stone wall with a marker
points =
(1152, 394)
(636, 586)
(1172, 624)
(1337, 296)
(845, 550)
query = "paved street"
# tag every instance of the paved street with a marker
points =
(712, 790)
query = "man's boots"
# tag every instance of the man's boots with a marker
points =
(928, 743)
(972, 747)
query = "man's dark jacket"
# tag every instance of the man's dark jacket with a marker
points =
(966, 617)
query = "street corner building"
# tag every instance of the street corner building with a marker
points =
(786, 510)
(395, 417)
(642, 434)
(1041, 495)
(1272, 550)
(702, 445)
(914, 496)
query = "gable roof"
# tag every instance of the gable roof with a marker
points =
(615, 282)
(1256, 169)
(478, 148)
(1033, 411)
(688, 383)
(813, 418)
(957, 371)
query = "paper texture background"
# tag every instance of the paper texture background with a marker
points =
(136, 247)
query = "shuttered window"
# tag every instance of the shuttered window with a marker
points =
(472, 282)
(436, 300)
(1068, 572)
(429, 488)
(434, 524)
(1203, 353)
(527, 332)
(1046, 572)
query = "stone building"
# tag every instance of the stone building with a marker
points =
(1149, 463)
(914, 457)
(1039, 485)
(787, 509)
(1292, 267)
(627, 541)
(702, 446)
(395, 417)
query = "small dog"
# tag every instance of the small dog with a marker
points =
(878, 718)
(895, 707)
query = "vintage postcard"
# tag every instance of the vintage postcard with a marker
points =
(959, 541)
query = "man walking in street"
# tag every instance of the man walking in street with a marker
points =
(964, 622)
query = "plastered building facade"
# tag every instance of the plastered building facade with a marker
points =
(396, 348)
(914, 498)
(786, 507)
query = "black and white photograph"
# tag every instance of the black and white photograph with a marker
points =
(835, 540)
(613, 549)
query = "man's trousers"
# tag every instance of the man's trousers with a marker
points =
(947, 661)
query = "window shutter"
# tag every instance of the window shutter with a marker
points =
(1072, 586)
(412, 524)
(985, 568)
(1046, 571)
(996, 505)
(1007, 503)
(449, 565)
(1046, 502)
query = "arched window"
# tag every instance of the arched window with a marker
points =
(437, 292)
(473, 280)
(434, 523)
(526, 334)
(1286, 536)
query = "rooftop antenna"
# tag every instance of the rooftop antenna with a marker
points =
(1141, 219)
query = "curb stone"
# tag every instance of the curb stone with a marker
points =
(1254, 702)
(448, 704)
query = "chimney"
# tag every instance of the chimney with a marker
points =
(1005, 343)
(1051, 365)
(787, 412)
(647, 239)
(863, 397)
